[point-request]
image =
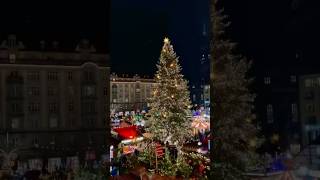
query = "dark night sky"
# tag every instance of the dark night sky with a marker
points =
(138, 29)
(271, 32)
(65, 21)
(267, 31)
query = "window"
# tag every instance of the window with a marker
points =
(52, 76)
(69, 76)
(16, 108)
(114, 92)
(53, 122)
(15, 123)
(89, 107)
(90, 122)
(70, 106)
(309, 95)
(15, 141)
(15, 91)
(34, 107)
(294, 112)
(12, 58)
(310, 108)
(194, 97)
(33, 91)
(33, 75)
(36, 141)
(308, 83)
(53, 107)
(88, 91)
(53, 140)
(88, 76)
(312, 120)
(52, 91)
(267, 80)
(293, 78)
(269, 113)
(71, 90)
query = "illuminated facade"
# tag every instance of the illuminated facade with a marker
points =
(130, 93)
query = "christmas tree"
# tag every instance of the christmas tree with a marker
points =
(170, 119)
(233, 131)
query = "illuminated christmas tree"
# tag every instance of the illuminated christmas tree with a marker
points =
(170, 119)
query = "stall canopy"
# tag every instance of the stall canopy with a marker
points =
(127, 132)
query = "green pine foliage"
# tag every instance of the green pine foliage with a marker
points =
(167, 166)
(170, 104)
(233, 131)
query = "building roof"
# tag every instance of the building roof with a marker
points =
(130, 78)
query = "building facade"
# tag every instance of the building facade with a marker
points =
(200, 95)
(130, 93)
(52, 99)
(277, 106)
(309, 88)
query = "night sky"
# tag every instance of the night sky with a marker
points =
(65, 21)
(266, 31)
(273, 31)
(138, 29)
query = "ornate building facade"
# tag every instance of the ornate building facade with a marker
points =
(130, 93)
(53, 100)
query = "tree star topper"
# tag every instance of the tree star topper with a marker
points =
(166, 40)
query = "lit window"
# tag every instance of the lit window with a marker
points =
(269, 113)
(15, 123)
(267, 80)
(309, 83)
(293, 78)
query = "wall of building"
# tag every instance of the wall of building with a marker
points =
(309, 88)
(53, 99)
(130, 93)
